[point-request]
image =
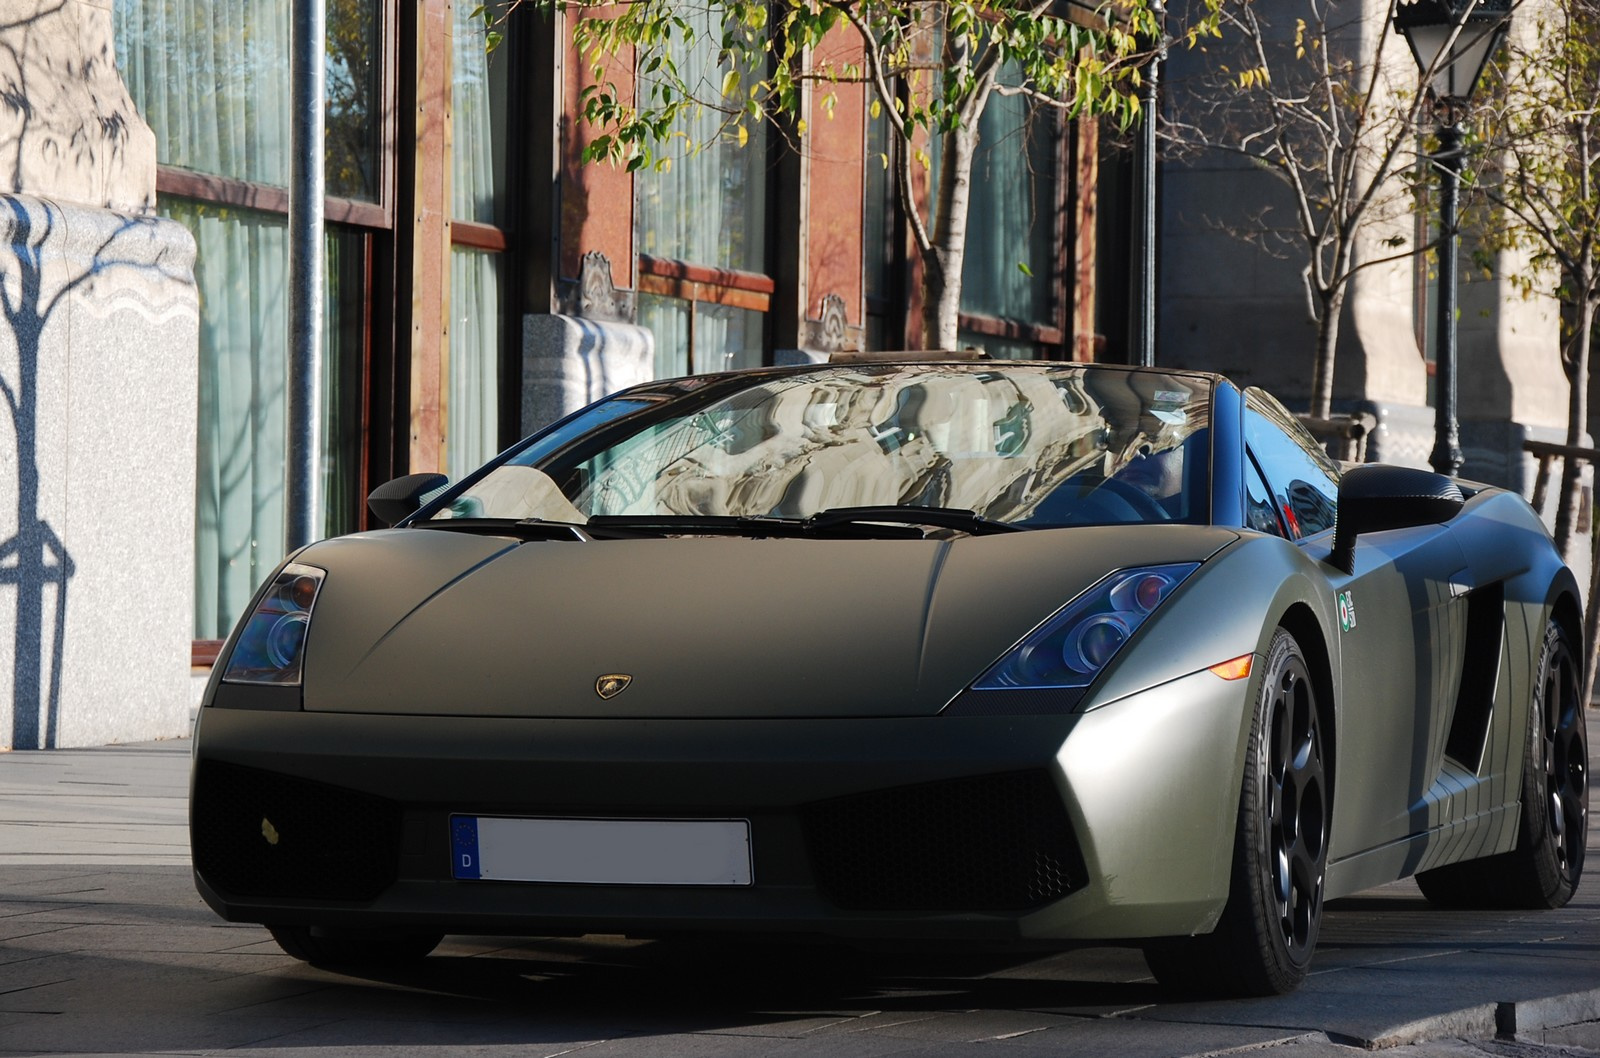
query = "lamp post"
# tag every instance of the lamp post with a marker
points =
(1452, 41)
(1144, 287)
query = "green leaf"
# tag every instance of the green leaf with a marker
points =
(1022, 266)
(730, 84)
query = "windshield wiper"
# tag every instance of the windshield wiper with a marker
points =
(882, 521)
(939, 517)
(522, 528)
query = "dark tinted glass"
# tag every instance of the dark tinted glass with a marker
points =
(1304, 481)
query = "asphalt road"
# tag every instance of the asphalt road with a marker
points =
(106, 949)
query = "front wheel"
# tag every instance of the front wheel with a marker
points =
(1268, 931)
(321, 945)
(1553, 828)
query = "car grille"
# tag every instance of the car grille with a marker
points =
(258, 833)
(988, 843)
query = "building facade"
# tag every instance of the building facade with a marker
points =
(1511, 384)
(481, 280)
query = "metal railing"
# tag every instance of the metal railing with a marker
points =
(1344, 437)
(1547, 453)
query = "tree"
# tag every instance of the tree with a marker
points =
(931, 67)
(1323, 97)
(1542, 137)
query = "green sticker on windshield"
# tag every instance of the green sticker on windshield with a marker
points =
(1347, 611)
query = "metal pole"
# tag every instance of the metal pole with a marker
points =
(307, 265)
(1144, 287)
(1446, 457)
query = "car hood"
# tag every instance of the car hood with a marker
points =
(441, 622)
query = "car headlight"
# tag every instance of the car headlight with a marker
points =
(271, 646)
(1073, 646)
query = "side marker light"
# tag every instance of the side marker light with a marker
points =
(1237, 669)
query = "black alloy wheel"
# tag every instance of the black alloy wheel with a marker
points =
(1264, 942)
(1297, 813)
(1564, 750)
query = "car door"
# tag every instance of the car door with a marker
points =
(1399, 642)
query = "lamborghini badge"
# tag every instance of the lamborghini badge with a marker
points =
(608, 687)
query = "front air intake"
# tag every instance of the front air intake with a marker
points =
(258, 833)
(987, 843)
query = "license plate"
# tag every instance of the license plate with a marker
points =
(601, 851)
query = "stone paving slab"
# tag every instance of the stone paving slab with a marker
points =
(119, 956)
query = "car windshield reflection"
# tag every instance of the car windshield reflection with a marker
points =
(1024, 445)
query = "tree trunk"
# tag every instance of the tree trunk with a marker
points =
(1332, 307)
(942, 263)
(1577, 417)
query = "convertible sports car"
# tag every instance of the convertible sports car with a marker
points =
(962, 651)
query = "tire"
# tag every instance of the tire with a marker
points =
(1543, 871)
(321, 945)
(1267, 934)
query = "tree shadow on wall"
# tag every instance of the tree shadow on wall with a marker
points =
(36, 560)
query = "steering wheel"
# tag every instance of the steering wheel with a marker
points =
(1144, 505)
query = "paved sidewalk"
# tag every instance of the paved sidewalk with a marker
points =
(116, 805)
(106, 949)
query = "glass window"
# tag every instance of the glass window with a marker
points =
(1034, 445)
(472, 412)
(351, 131)
(1260, 510)
(1011, 229)
(877, 245)
(998, 348)
(478, 130)
(212, 79)
(709, 206)
(1304, 481)
(696, 336)
(241, 273)
(668, 320)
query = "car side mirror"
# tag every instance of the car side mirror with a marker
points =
(402, 497)
(1375, 497)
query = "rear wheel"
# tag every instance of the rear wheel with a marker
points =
(326, 945)
(1264, 941)
(1543, 870)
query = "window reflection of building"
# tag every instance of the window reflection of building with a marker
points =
(996, 443)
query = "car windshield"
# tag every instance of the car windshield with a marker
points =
(1023, 445)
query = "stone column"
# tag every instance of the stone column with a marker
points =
(98, 373)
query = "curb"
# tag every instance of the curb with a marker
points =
(1505, 1020)
(1535, 1015)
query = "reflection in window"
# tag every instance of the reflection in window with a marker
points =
(1034, 445)
(352, 85)
(212, 79)
(1304, 481)
(241, 273)
(1260, 512)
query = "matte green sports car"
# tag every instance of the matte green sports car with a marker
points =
(962, 651)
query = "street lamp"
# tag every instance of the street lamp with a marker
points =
(1452, 41)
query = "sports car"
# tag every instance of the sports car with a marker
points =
(957, 651)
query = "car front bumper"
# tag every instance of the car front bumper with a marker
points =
(1122, 818)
